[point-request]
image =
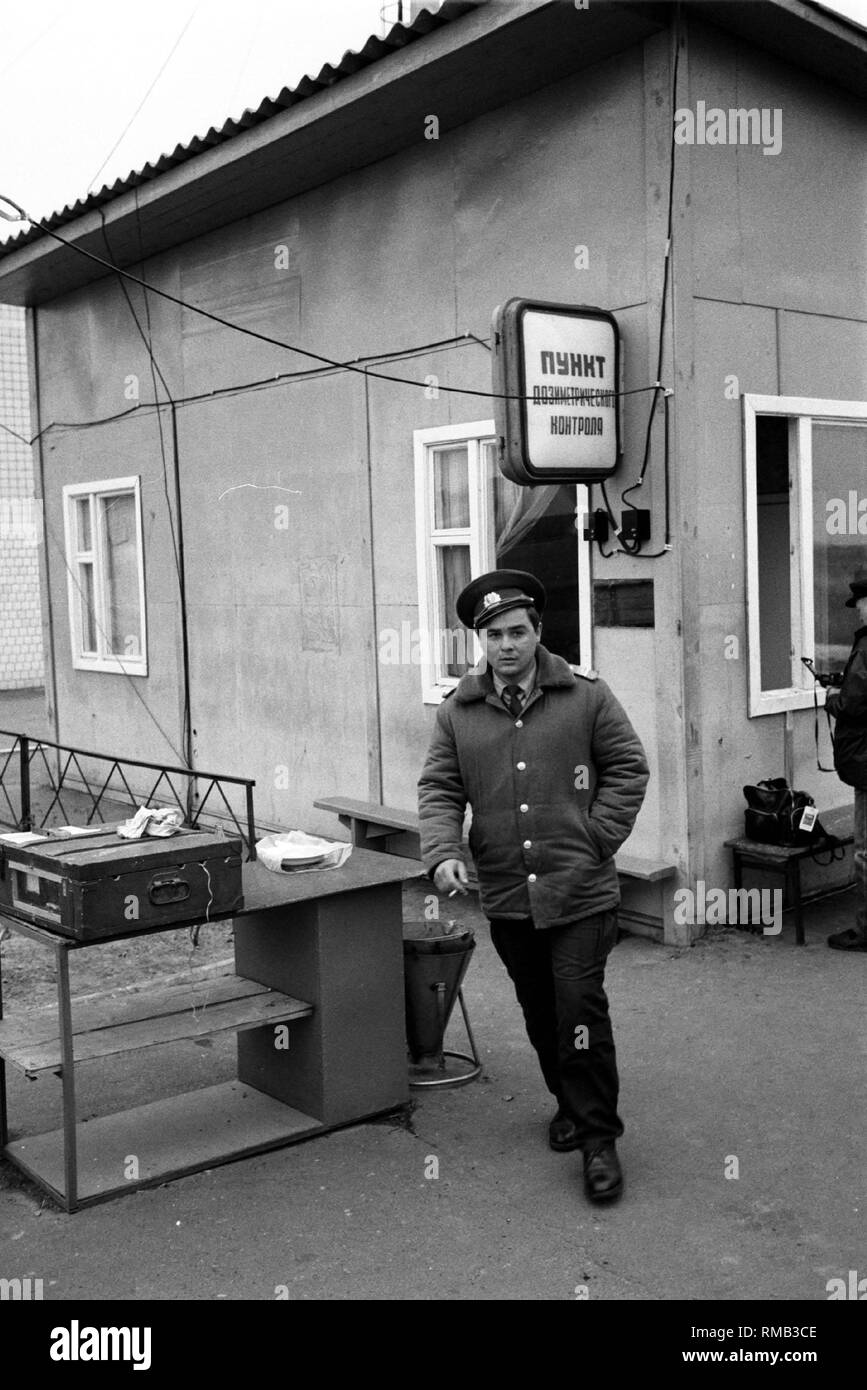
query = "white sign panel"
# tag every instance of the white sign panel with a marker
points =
(558, 370)
(569, 378)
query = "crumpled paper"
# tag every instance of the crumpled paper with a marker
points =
(160, 821)
(269, 851)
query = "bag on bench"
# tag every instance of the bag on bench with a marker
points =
(774, 814)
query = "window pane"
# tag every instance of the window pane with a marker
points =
(451, 488)
(774, 544)
(86, 608)
(453, 574)
(839, 535)
(121, 568)
(535, 531)
(82, 521)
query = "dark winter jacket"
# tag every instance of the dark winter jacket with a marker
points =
(848, 705)
(553, 793)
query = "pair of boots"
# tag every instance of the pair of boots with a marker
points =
(855, 938)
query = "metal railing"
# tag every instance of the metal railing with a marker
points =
(25, 750)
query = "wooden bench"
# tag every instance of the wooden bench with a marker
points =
(786, 860)
(376, 827)
(372, 826)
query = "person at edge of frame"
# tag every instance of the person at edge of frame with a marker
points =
(555, 774)
(848, 706)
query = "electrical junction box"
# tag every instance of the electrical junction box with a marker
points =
(596, 526)
(635, 526)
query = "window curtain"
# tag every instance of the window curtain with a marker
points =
(517, 510)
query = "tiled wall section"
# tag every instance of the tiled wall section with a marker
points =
(20, 622)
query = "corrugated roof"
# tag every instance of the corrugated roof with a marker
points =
(374, 50)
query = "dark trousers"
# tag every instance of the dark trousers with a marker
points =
(861, 858)
(558, 976)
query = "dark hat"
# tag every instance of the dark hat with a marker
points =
(494, 593)
(859, 590)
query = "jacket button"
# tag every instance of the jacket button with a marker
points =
(531, 878)
(521, 766)
(523, 806)
(528, 844)
(519, 723)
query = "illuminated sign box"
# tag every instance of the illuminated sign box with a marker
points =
(559, 368)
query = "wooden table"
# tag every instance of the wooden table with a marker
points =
(316, 999)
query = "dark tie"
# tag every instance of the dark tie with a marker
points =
(513, 699)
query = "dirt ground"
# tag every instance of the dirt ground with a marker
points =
(28, 968)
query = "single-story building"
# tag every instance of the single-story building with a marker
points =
(272, 555)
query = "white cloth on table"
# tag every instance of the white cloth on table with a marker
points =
(270, 851)
(159, 821)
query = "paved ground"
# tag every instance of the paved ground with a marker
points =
(740, 1047)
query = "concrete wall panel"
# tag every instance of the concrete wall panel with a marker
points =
(561, 168)
(787, 229)
(824, 357)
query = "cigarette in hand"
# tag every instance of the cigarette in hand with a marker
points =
(453, 892)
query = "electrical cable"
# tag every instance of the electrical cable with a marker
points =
(265, 337)
(176, 539)
(655, 554)
(483, 342)
(264, 383)
(611, 517)
(136, 112)
(635, 548)
(819, 764)
(440, 345)
(606, 554)
(254, 31)
(198, 1008)
(80, 425)
(22, 53)
(187, 727)
(155, 368)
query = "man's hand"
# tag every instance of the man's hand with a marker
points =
(451, 876)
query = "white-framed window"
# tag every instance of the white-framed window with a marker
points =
(105, 575)
(470, 519)
(806, 521)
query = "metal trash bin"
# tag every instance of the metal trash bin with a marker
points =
(435, 960)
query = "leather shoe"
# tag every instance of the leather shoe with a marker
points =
(603, 1176)
(562, 1133)
(849, 940)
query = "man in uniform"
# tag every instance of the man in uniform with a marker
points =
(848, 705)
(555, 775)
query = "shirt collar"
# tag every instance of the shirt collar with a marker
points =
(526, 685)
(551, 672)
